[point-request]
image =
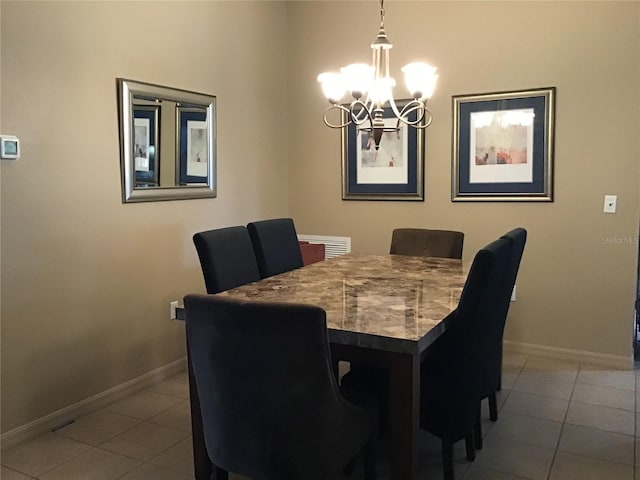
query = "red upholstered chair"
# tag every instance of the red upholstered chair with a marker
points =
(311, 252)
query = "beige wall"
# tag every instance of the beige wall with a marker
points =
(575, 290)
(86, 280)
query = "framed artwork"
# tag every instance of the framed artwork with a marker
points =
(192, 145)
(146, 143)
(503, 146)
(393, 172)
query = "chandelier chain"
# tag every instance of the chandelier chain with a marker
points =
(382, 13)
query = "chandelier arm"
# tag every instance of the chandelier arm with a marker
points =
(362, 115)
(411, 107)
(428, 113)
(394, 107)
(416, 106)
(422, 122)
(345, 113)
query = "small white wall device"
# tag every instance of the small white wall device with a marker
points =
(9, 147)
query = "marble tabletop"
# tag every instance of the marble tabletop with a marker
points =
(390, 302)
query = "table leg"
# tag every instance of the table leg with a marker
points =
(404, 415)
(202, 465)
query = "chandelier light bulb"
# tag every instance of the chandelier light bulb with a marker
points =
(381, 90)
(357, 78)
(420, 79)
(332, 86)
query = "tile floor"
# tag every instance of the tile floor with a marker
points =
(558, 421)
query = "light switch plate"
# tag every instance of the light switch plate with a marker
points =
(610, 203)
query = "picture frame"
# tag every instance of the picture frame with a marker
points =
(146, 145)
(192, 146)
(503, 146)
(394, 172)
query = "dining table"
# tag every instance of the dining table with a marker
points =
(382, 310)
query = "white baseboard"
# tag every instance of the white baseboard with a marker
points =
(568, 355)
(96, 402)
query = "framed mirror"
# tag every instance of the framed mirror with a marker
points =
(167, 142)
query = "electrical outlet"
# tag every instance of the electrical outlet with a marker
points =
(172, 310)
(513, 294)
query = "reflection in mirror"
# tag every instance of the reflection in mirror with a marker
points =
(145, 144)
(167, 142)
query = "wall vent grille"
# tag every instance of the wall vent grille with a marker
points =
(333, 246)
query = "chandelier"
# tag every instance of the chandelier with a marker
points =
(371, 88)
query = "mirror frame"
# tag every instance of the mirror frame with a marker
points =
(127, 90)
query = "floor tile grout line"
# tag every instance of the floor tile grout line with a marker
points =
(143, 463)
(105, 449)
(517, 441)
(169, 448)
(166, 410)
(12, 469)
(580, 367)
(140, 421)
(140, 460)
(64, 462)
(607, 460)
(518, 477)
(107, 440)
(164, 393)
(106, 408)
(606, 386)
(603, 406)
(598, 429)
(569, 402)
(563, 423)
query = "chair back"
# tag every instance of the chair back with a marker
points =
(270, 404)
(517, 239)
(453, 376)
(422, 242)
(275, 244)
(227, 258)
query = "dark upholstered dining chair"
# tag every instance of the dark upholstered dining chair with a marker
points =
(270, 403)
(517, 238)
(453, 371)
(227, 258)
(452, 374)
(275, 244)
(228, 261)
(422, 242)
